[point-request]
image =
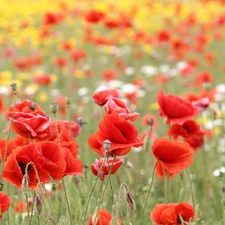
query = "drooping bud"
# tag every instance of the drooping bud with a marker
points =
(76, 182)
(54, 108)
(131, 201)
(39, 204)
(25, 182)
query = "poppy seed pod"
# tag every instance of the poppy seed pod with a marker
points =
(13, 87)
(54, 108)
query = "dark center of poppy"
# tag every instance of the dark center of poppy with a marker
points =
(123, 134)
(187, 129)
(32, 107)
(23, 167)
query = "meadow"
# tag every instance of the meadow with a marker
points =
(112, 112)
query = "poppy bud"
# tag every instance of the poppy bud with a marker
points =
(106, 145)
(150, 122)
(25, 182)
(39, 204)
(80, 121)
(54, 108)
(1, 186)
(76, 182)
(13, 87)
(131, 201)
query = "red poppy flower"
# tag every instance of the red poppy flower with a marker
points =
(53, 18)
(30, 125)
(195, 141)
(187, 129)
(73, 126)
(199, 102)
(121, 134)
(171, 214)
(73, 165)
(161, 172)
(20, 207)
(46, 163)
(109, 166)
(2, 105)
(43, 80)
(175, 156)
(78, 55)
(94, 16)
(5, 202)
(119, 106)
(163, 36)
(101, 97)
(12, 144)
(108, 75)
(63, 132)
(103, 218)
(204, 77)
(175, 109)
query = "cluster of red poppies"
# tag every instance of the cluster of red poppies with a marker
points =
(39, 150)
(172, 156)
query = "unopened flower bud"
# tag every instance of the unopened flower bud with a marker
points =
(80, 121)
(151, 122)
(54, 107)
(76, 182)
(131, 201)
(39, 204)
(106, 145)
(30, 202)
(13, 87)
(68, 101)
(1, 186)
(25, 182)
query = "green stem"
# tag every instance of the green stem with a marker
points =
(9, 133)
(192, 192)
(67, 201)
(103, 193)
(92, 190)
(149, 190)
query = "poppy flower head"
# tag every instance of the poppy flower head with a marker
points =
(175, 109)
(5, 202)
(101, 97)
(30, 125)
(171, 214)
(119, 106)
(94, 16)
(103, 217)
(175, 156)
(110, 166)
(121, 134)
(187, 129)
